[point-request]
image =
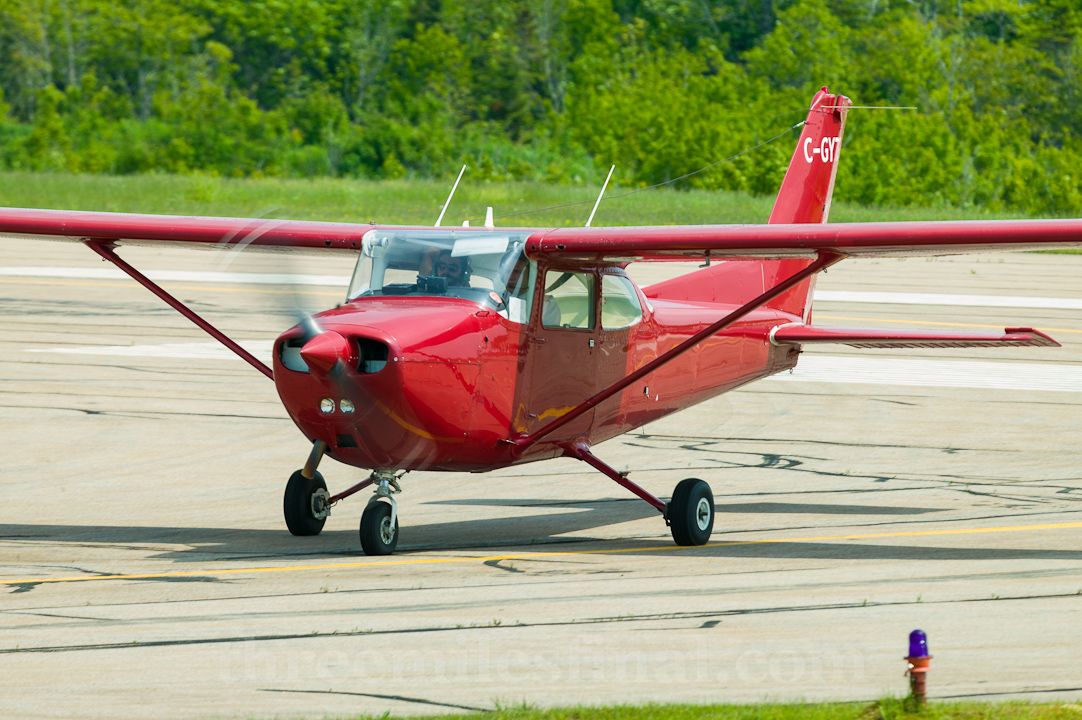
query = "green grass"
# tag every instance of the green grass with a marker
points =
(408, 201)
(883, 710)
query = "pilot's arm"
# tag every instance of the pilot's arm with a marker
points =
(428, 262)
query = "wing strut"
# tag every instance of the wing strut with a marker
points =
(826, 259)
(105, 249)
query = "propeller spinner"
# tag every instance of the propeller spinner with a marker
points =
(324, 351)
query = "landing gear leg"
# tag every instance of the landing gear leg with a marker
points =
(690, 512)
(379, 522)
(306, 503)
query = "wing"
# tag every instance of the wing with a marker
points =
(127, 229)
(891, 239)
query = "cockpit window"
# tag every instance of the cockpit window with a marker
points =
(487, 267)
(620, 307)
(569, 300)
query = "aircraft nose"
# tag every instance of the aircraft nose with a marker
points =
(323, 352)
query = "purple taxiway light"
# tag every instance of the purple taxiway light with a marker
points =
(919, 661)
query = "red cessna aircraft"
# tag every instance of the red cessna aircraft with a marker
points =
(473, 349)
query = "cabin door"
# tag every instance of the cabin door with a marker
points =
(562, 355)
(620, 334)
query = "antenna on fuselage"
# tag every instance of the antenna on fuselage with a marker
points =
(599, 196)
(450, 195)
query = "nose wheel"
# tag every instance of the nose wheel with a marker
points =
(379, 522)
(379, 529)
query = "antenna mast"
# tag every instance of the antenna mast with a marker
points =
(451, 195)
(599, 196)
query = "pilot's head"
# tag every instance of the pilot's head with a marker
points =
(456, 270)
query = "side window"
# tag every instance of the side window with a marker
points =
(620, 306)
(569, 300)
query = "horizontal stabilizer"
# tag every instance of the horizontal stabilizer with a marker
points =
(866, 338)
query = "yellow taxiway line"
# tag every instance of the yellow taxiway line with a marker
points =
(470, 559)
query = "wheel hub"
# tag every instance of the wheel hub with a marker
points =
(386, 530)
(702, 513)
(321, 504)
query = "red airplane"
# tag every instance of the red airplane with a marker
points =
(473, 349)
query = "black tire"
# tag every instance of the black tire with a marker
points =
(691, 512)
(301, 518)
(377, 536)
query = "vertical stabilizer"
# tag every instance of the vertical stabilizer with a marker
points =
(806, 191)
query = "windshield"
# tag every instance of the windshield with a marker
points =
(483, 266)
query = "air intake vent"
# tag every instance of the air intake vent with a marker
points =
(346, 441)
(372, 355)
(289, 352)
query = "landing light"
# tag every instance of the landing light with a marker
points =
(326, 406)
(346, 406)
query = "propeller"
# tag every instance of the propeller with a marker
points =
(320, 349)
(328, 354)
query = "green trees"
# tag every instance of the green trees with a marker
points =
(553, 90)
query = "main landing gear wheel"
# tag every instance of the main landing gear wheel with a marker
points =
(691, 512)
(305, 504)
(379, 529)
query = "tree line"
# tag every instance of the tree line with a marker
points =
(554, 90)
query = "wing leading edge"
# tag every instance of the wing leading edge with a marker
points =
(129, 229)
(888, 239)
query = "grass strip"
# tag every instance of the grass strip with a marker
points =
(411, 201)
(886, 709)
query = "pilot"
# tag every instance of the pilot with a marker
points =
(456, 270)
